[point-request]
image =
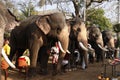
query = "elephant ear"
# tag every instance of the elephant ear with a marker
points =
(43, 24)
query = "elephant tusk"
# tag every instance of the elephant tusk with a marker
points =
(82, 46)
(68, 51)
(104, 49)
(60, 46)
(7, 59)
(90, 47)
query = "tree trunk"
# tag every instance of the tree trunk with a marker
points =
(76, 6)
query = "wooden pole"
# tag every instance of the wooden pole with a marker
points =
(84, 10)
(119, 11)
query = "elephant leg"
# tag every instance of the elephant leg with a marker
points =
(86, 59)
(34, 50)
(43, 60)
(102, 57)
(73, 61)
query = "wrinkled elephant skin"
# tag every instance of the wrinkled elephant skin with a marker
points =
(32, 34)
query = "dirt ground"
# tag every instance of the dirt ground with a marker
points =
(91, 73)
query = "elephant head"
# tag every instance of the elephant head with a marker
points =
(95, 36)
(78, 31)
(108, 39)
(32, 33)
(96, 40)
(109, 42)
(78, 37)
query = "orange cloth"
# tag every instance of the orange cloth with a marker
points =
(4, 64)
(22, 62)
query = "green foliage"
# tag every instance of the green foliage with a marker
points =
(6, 35)
(116, 27)
(96, 16)
(27, 10)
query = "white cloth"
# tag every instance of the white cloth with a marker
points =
(55, 49)
(78, 55)
(55, 58)
(27, 59)
(64, 62)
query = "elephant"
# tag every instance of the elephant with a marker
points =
(32, 34)
(78, 39)
(95, 39)
(108, 40)
(6, 19)
(74, 25)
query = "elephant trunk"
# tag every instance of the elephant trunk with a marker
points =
(64, 40)
(84, 46)
(111, 43)
(63, 37)
(99, 40)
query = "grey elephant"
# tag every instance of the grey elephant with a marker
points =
(108, 40)
(78, 40)
(32, 34)
(7, 20)
(95, 39)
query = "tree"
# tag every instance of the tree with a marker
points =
(76, 3)
(89, 2)
(27, 10)
(116, 27)
(96, 16)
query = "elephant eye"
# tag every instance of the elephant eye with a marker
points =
(78, 30)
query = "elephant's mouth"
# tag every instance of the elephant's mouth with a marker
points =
(103, 48)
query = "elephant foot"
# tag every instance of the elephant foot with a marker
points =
(54, 73)
(43, 72)
(57, 73)
(84, 68)
(31, 73)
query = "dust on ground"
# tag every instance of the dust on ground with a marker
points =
(91, 73)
